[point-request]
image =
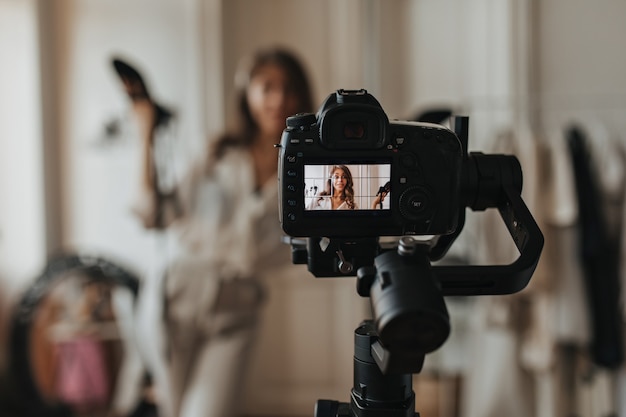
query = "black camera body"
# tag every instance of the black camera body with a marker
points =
(403, 178)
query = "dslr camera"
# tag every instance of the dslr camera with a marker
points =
(395, 178)
(403, 178)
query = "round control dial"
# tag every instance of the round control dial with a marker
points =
(416, 203)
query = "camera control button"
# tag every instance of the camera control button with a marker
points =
(291, 173)
(303, 121)
(415, 203)
(409, 161)
(292, 159)
(291, 188)
(291, 203)
(291, 216)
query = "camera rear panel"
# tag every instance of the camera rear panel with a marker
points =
(416, 167)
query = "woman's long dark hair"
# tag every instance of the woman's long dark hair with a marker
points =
(246, 127)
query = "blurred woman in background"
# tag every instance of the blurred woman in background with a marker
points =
(226, 219)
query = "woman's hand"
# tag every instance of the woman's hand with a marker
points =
(378, 200)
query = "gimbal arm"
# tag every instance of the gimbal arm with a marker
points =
(491, 181)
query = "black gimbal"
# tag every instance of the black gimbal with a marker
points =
(406, 291)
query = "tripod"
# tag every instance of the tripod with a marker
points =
(411, 320)
(373, 394)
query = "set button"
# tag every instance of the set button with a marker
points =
(416, 203)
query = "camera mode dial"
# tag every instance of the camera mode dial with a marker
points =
(301, 121)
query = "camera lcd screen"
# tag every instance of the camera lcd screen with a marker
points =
(330, 187)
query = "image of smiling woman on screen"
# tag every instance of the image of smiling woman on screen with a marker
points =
(339, 194)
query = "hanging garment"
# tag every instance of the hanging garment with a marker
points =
(497, 384)
(599, 257)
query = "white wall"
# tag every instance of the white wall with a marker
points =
(22, 243)
(161, 38)
(22, 238)
(581, 63)
(447, 53)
